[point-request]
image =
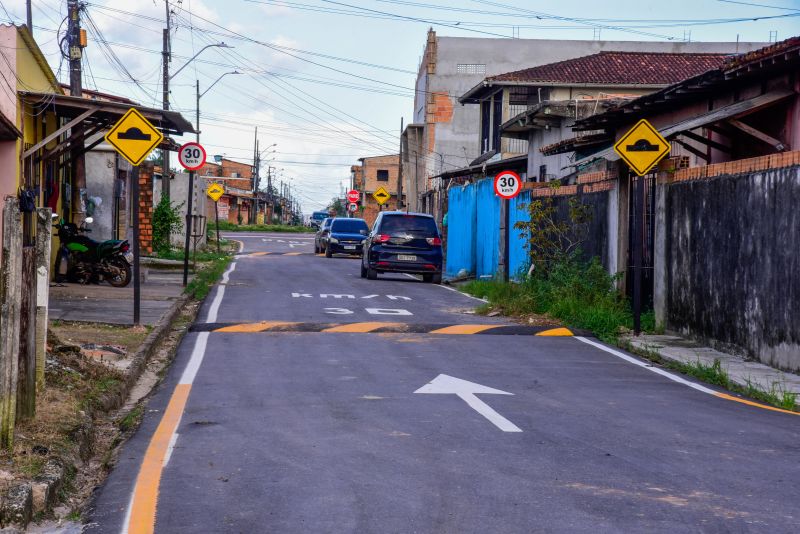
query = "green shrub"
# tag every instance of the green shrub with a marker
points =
(582, 294)
(167, 220)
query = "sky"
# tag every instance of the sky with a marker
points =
(327, 82)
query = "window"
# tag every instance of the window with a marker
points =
(486, 125)
(471, 68)
(383, 175)
(234, 175)
(542, 173)
(497, 120)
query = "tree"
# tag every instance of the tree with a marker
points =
(337, 207)
(551, 239)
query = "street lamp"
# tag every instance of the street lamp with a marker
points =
(199, 95)
(167, 78)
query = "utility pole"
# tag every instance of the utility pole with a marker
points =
(29, 16)
(400, 202)
(165, 59)
(76, 41)
(254, 216)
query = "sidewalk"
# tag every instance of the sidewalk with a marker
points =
(112, 305)
(739, 370)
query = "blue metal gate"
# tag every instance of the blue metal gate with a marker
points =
(461, 221)
(487, 232)
(518, 258)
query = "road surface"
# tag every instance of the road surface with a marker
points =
(308, 399)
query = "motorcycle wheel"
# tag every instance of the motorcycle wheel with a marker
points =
(122, 276)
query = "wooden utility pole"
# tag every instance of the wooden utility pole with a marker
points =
(165, 59)
(10, 298)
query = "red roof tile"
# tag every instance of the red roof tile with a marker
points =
(618, 68)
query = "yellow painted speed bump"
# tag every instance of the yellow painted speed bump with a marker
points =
(464, 329)
(556, 332)
(251, 328)
(361, 328)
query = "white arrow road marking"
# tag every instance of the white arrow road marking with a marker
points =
(467, 391)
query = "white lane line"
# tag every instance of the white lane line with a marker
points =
(187, 378)
(649, 367)
(451, 289)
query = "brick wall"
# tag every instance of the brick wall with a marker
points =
(146, 208)
(762, 163)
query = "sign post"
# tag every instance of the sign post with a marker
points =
(215, 192)
(134, 137)
(507, 185)
(642, 147)
(192, 157)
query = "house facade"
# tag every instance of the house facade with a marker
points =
(238, 203)
(374, 173)
(451, 66)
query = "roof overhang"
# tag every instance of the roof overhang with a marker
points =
(516, 163)
(70, 107)
(730, 112)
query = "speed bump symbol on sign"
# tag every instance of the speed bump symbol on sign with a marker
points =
(134, 137)
(642, 147)
(215, 191)
(381, 195)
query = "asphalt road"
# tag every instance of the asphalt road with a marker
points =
(297, 431)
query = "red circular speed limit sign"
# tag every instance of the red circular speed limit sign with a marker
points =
(507, 184)
(353, 196)
(192, 156)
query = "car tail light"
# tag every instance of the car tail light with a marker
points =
(383, 264)
(382, 238)
(430, 266)
(435, 241)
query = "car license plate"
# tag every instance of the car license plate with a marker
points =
(405, 257)
(349, 247)
(129, 257)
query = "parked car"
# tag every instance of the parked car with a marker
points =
(316, 219)
(346, 237)
(403, 243)
(321, 237)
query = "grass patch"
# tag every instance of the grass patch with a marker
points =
(131, 419)
(75, 333)
(582, 295)
(230, 227)
(206, 277)
(776, 396)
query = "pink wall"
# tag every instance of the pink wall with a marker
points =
(8, 107)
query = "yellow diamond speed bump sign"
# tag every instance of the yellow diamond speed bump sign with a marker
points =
(215, 191)
(642, 147)
(381, 195)
(134, 137)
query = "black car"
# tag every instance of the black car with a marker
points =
(346, 237)
(321, 238)
(403, 243)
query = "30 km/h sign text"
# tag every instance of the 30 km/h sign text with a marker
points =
(507, 185)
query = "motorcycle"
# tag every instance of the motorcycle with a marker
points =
(83, 260)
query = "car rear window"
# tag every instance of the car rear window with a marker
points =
(349, 226)
(411, 224)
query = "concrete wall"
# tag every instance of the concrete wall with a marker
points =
(454, 133)
(179, 189)
(732, 263)
(100, 182)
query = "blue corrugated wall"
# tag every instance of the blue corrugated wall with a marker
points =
(487, 232)
(518, 255)
(461, 221)
(473, 230)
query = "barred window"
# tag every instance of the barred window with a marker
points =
(471, 68)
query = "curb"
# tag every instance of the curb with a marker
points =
(22, 501)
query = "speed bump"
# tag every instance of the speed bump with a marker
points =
(383, 328)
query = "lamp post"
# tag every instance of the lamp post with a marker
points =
(200, 95)
(167, 78)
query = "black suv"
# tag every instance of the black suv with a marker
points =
(403, 243)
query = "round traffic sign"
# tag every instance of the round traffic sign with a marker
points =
(353, 195)
(353, 207)
(192, 156)
(507, 184)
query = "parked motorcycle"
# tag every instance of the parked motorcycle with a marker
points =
(83, 260)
